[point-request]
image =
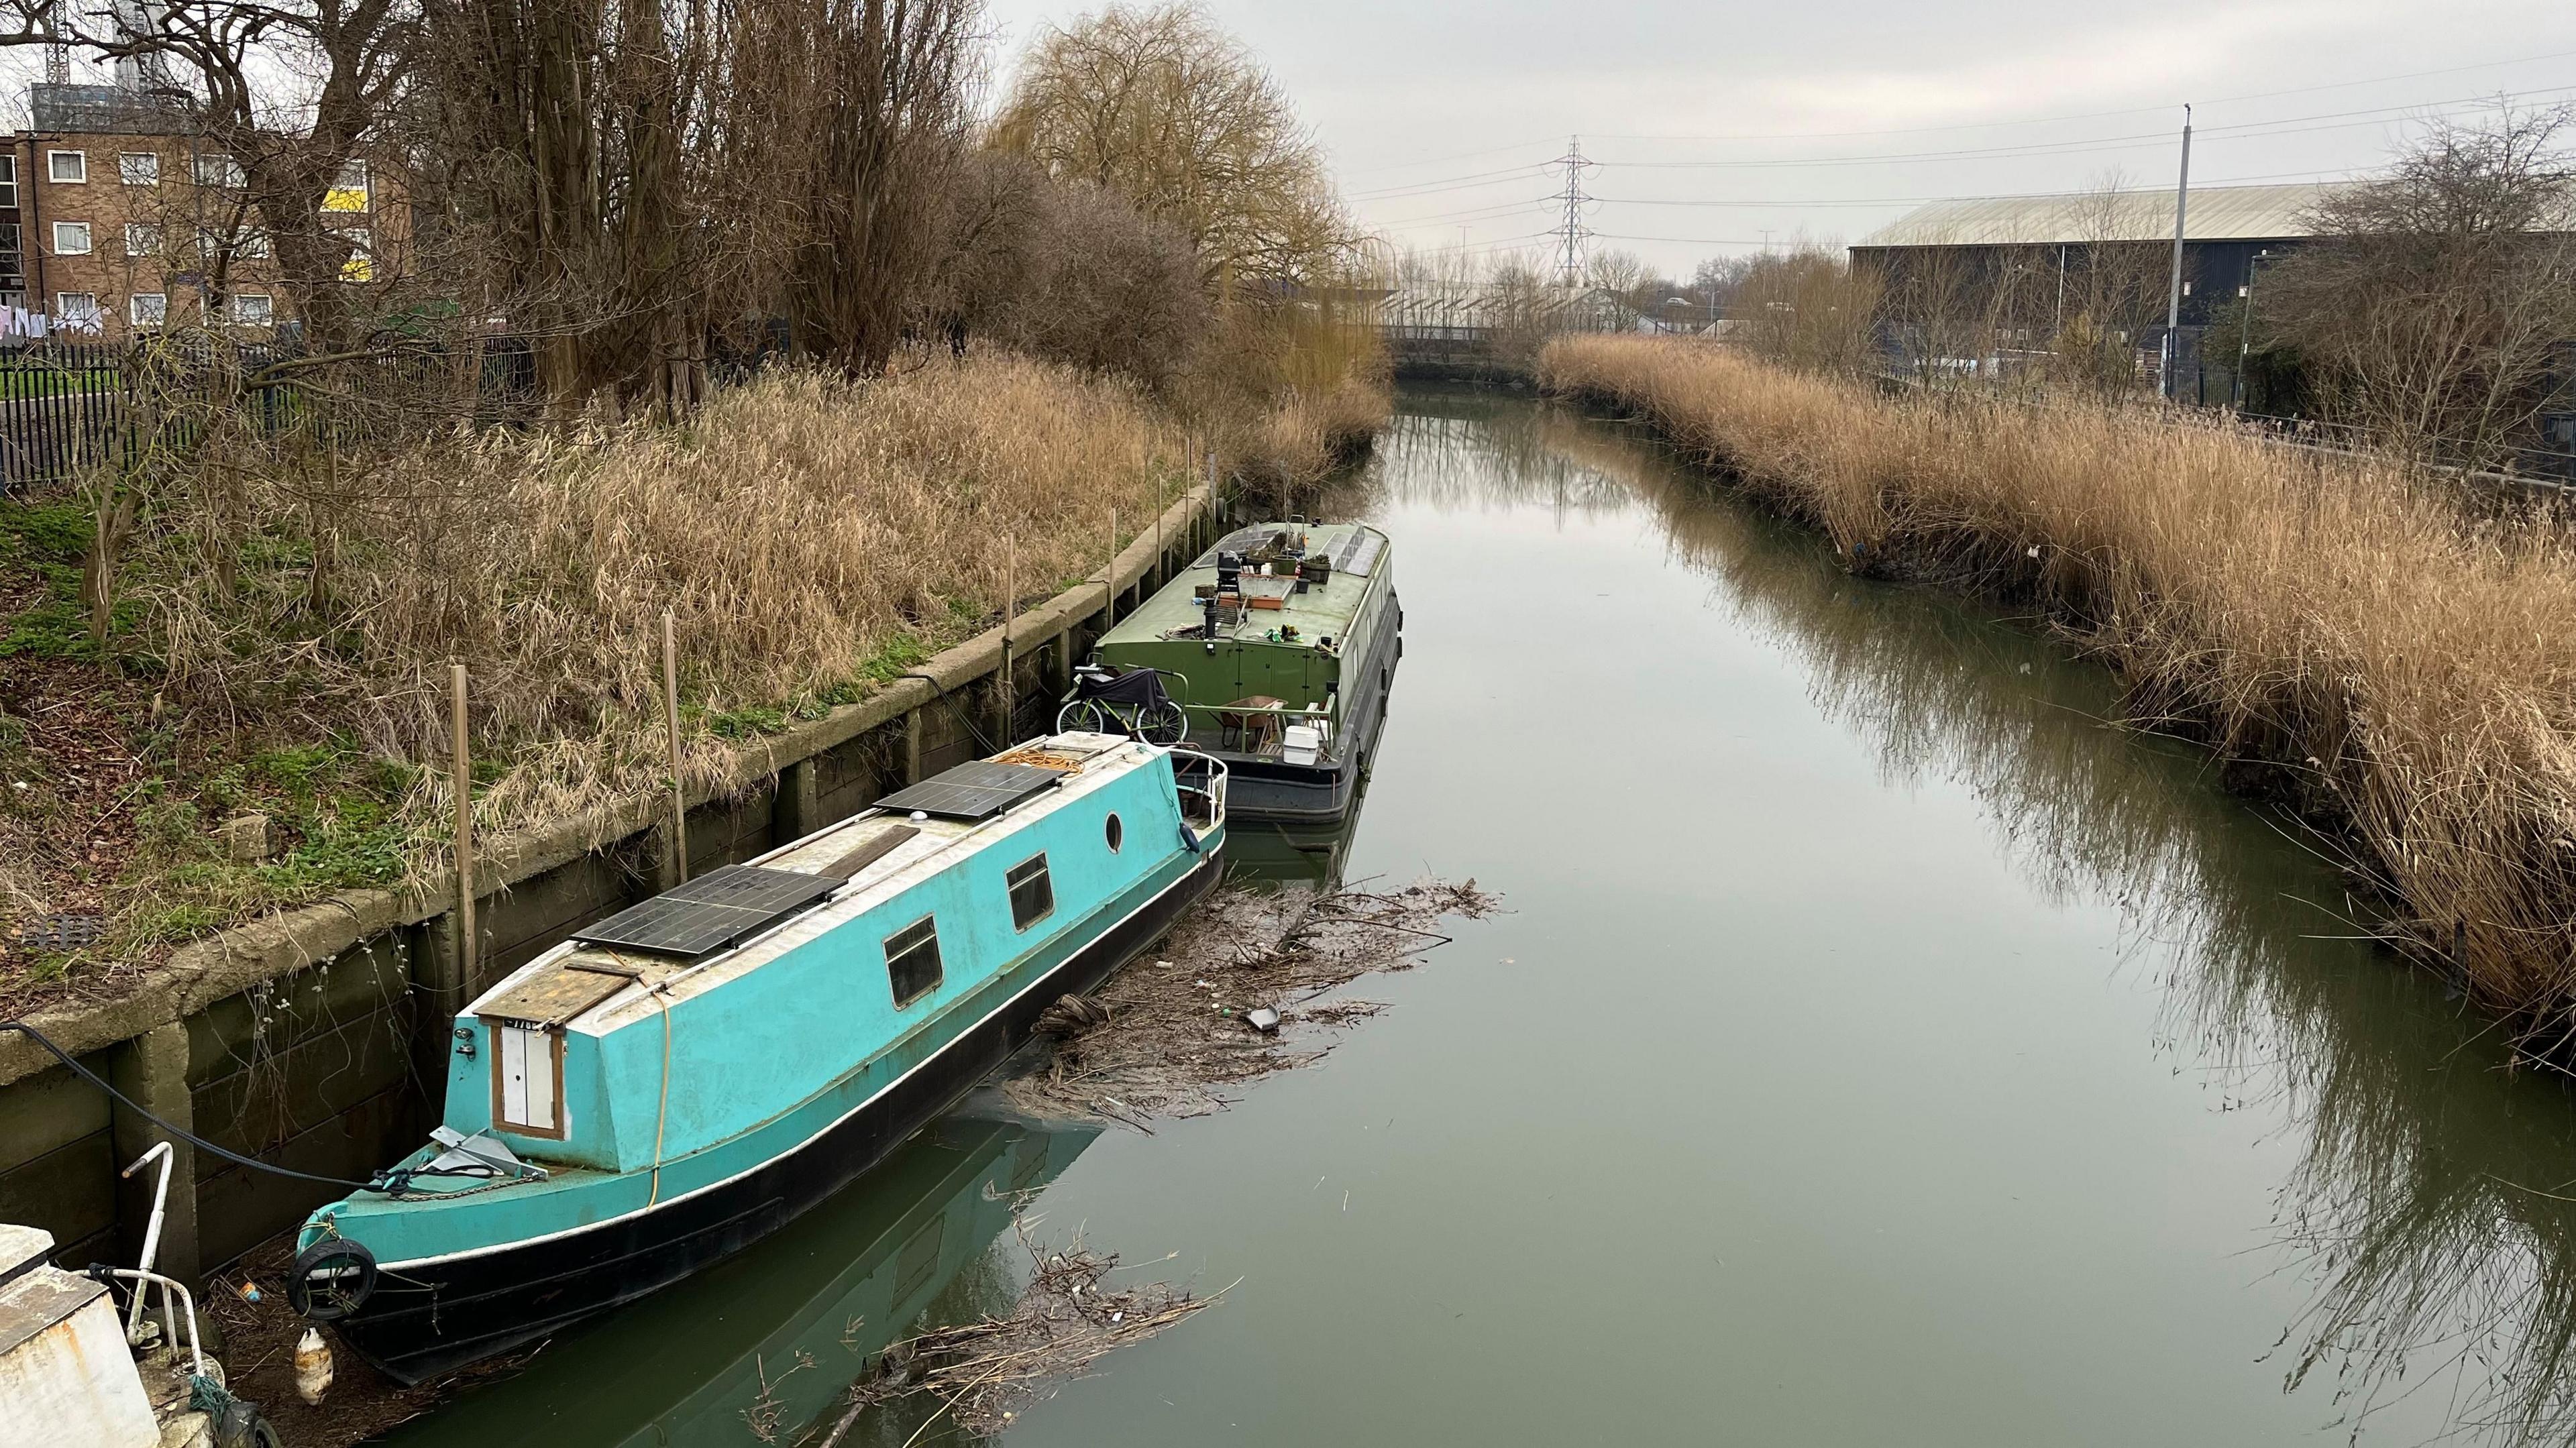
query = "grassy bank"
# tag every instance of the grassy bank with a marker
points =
(283, 631)
(2396, 659)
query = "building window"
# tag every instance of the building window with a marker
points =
(219, 170)
(252, 245)
(142, 238)
(148, 309)
(348, 191)
(1032, 892)
(8, 181)
(360, 264)
(77, 311)
(139, 168)
(69, 168)
(527, 1080)
(253, 309)
(1117, 832)
(912, 961)
(71, 238)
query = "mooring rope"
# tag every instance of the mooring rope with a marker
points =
(390, 1181)
(190, 1137)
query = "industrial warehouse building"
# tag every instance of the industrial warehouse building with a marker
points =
(2021, 269)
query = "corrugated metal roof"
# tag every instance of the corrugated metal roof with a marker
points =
(2218, 213)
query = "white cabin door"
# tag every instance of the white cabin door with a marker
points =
(525, 1067)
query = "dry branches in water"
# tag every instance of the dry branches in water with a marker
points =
(1166, 1036)
(983, 1373)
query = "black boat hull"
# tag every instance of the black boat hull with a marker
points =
(428, 1319)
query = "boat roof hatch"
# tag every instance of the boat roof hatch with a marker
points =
(720, 908)
(977, 790)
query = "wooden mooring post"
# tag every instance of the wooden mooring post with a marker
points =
(671, 709)
(462, 763)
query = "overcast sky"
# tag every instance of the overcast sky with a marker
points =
(1720, 125)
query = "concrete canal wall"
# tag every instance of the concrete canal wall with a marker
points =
(305, 1039)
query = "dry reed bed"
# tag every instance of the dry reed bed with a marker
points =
(2400, 656)
(809, 535)
(813, 538)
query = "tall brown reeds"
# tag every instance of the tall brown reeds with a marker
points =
(2392, 649)
(811, 534)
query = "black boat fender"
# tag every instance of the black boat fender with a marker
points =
(331, 1279)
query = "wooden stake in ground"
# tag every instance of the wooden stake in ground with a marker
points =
(671, 709)
(1109, 577)
(462, 765)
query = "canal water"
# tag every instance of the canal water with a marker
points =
(1879, 1049)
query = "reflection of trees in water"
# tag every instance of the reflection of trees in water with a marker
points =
(1453, 450)
(2428, 1210)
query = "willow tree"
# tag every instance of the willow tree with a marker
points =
(1162, 107)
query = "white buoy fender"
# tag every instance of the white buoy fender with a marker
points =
(312, 1366)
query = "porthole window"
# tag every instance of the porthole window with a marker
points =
(1117, 834)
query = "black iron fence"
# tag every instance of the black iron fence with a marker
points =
(69, 407)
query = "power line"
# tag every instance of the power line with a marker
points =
(2278, 126)
(1468, 213)
(1458, 156)
(2318, 176)
(1453, 183)
(2093, 115)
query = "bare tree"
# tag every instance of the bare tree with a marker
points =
(2112, 281)
(290, 95)
(2430, 313)
(1810, 308)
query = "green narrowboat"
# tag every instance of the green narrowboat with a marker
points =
(1274, 652)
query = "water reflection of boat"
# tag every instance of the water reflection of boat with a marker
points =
(700, 1363)
(1279, 852)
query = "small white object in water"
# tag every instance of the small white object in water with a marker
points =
(312, 1367)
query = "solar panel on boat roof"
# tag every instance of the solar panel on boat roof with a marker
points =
(1359, 552)
(1241, 540)
(719, 908)
(977, 790)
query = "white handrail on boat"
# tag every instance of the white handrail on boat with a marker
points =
(1217, 774)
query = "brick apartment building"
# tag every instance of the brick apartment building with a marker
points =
(116, 219)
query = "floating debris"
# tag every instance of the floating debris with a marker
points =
(984, 1373)
(1239, 975)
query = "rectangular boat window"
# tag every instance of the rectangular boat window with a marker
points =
(912, 961)
(1032, 892)
(527, 1080)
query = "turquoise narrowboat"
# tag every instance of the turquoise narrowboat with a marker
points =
(684, 1077)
